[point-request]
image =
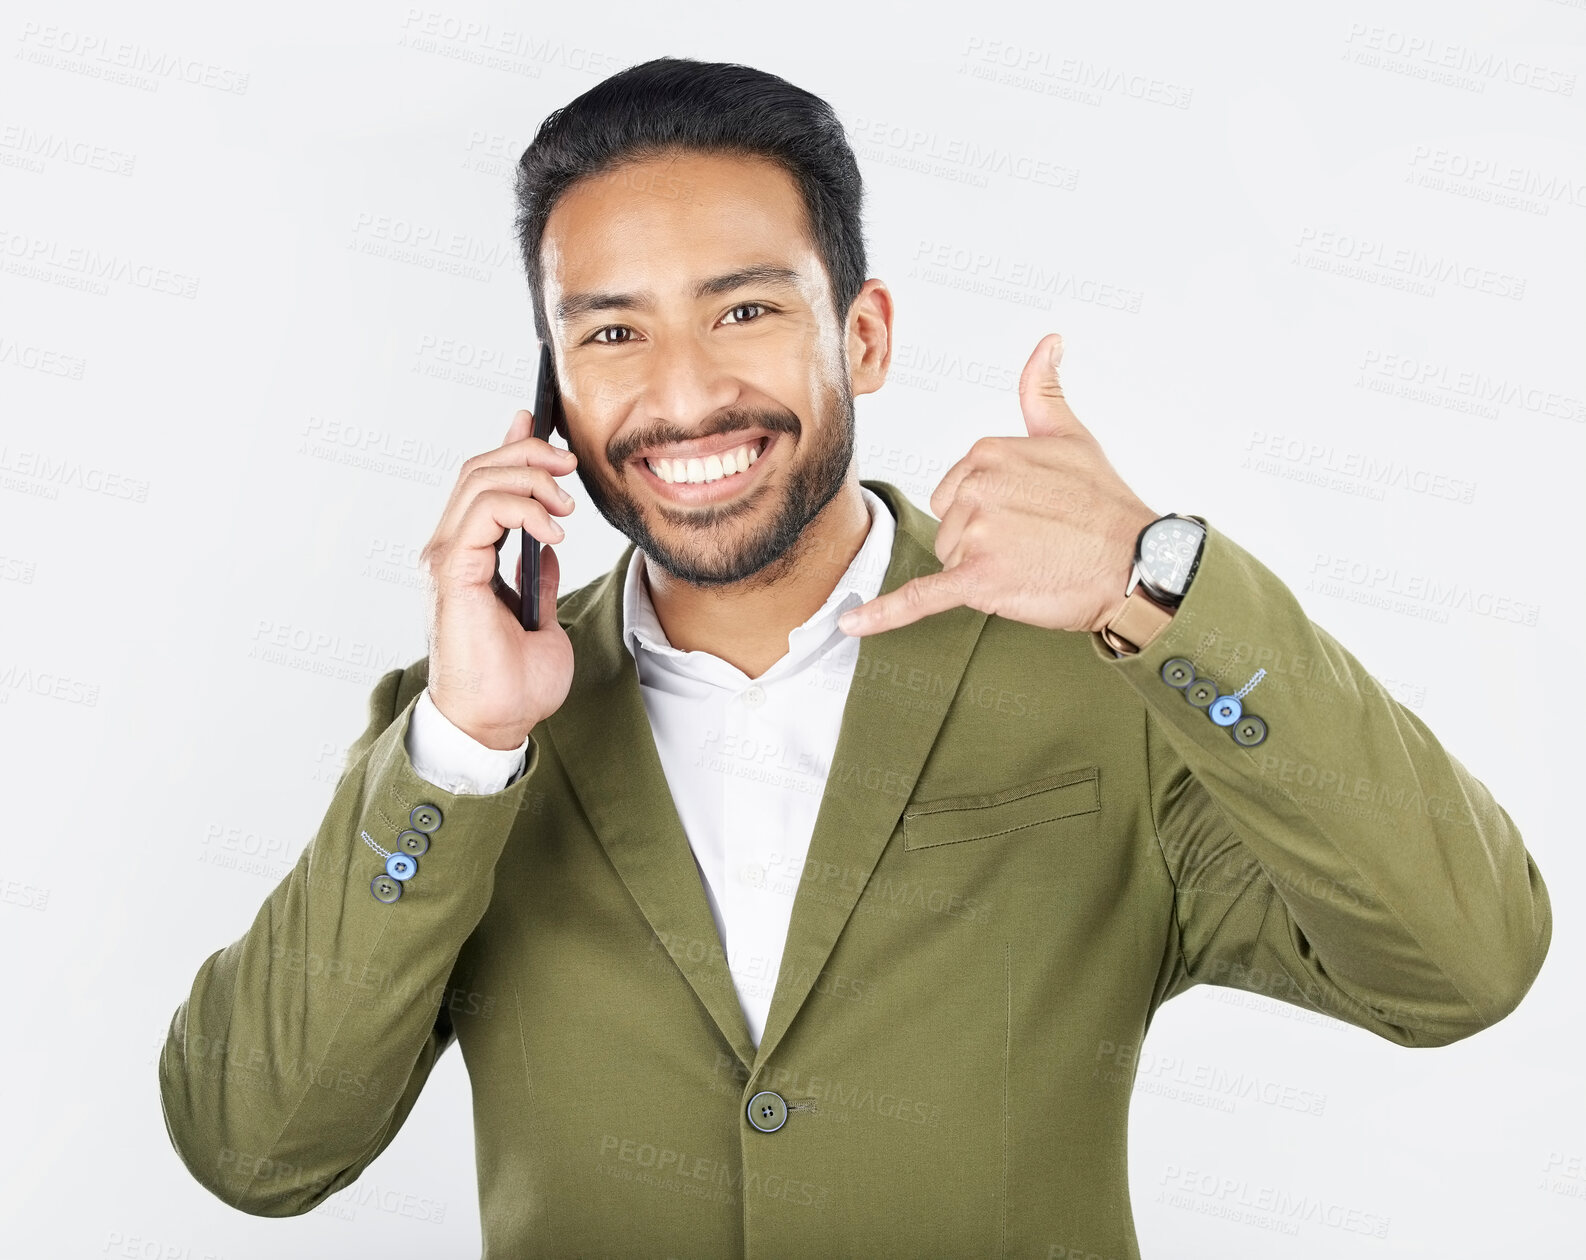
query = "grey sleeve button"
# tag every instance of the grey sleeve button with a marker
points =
(767, 1111)
(413, 843)
(425, 818)
(1249, 730)
(385, 888)
(1178, 672)
(1201, 692)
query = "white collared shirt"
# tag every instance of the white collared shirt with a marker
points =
(746, 759)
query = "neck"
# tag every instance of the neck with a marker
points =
(747, 623)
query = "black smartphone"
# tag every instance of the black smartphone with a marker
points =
(547, 419)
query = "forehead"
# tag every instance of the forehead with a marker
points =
(662, 223)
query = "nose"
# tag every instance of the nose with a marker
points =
(681, 383)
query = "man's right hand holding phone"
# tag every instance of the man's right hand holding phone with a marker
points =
(490, 677)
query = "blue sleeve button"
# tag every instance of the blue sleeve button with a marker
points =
(385, 888)
(425, 818)
(1225, 710)
(401, 866)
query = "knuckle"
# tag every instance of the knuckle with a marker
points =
(438, 565)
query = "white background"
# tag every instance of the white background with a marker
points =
(211, 503)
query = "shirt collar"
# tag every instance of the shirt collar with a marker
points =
(860, 582)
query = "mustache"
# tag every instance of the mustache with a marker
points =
(736, 420)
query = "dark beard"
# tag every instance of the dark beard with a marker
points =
(773, 551)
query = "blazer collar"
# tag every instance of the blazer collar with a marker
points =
(603, 739)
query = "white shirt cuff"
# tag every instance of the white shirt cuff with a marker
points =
(450, 758)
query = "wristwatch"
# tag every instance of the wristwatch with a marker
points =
(1166, 555)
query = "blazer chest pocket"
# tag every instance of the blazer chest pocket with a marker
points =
(980, 816)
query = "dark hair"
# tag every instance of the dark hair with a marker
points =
(674, 104)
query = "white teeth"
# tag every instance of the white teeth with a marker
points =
(711, 468)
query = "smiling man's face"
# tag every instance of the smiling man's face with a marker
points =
(692, 319)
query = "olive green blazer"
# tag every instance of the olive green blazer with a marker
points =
(1026, 845)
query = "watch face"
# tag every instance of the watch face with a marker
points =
(1167, 552)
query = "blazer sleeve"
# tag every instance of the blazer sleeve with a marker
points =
(302, 1046)
(1346, 862)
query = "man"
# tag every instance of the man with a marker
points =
(764, 933)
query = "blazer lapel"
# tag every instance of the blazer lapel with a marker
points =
(603, 739)
(880, 749)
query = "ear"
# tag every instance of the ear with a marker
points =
(869, 334)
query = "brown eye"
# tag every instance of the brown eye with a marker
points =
(747, 306)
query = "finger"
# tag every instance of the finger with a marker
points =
(917, 598)
(538, 483)
(1041, 398)
(521, 427)
(950, 486)
(467, 557)
(519, 448)
(942, 497)
(951, 530)
(507, 595)
(512, 597)
(550, 579)
(535, 483)
(529, 452)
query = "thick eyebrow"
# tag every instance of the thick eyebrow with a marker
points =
(577, 304)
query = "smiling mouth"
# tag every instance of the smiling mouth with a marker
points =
(707, 470)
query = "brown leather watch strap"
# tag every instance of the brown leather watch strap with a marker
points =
(1134, 625)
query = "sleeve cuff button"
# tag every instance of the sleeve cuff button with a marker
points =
(413, 843)
(385, 888)
(1178, 672)
(1201, 692)
(1249, 730)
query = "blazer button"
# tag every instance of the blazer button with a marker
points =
(1178, 672)
(1225, 710)
(1249, 730)
(401, 866)
(414, 843)
(1201, 692)
(425, 818)
(767, 1111)
(385, 888)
